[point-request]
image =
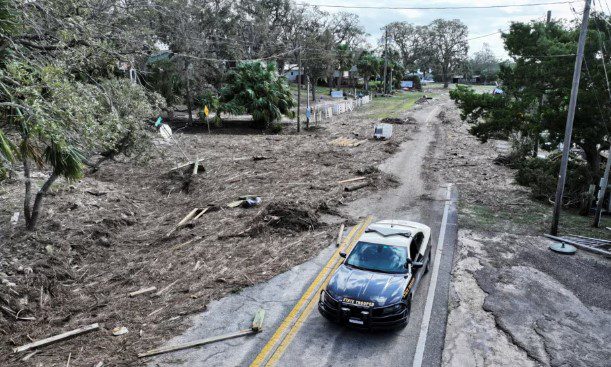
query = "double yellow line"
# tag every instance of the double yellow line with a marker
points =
(284, 335)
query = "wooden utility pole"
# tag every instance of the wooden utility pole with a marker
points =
(385, 55)
(569, 119)
(308, 102)
(536, 147)
(299, 88)
(189, 99)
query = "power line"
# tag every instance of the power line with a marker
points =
(433, 7)
(486, 35)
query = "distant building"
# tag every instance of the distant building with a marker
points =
(291, 72)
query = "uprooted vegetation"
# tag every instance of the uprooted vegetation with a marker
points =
(107, 235)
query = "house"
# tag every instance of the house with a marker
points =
(291, 72)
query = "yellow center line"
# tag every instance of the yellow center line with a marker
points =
(319, 282)
(306, 313)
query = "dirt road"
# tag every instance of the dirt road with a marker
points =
(318, 342)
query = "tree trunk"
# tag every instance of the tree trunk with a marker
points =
(367, 83)
(31, 223)
(445, 77)
(28, 185)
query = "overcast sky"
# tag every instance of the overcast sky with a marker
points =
(479, 21)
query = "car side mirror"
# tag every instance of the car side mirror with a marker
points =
(417, 264)
(342, 254)
(407, 262)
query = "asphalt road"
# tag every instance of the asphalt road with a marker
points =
(317, 342)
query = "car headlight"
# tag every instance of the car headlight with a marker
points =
(323, 296)
(392, 309)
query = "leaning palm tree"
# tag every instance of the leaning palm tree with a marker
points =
(257, 90)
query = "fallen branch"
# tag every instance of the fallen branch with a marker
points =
(57, 338)
(356, 187)
(351, 180)
(187, 218)
(166, 288)
(257, 326)
(142, 291)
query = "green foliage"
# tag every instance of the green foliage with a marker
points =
(537, 87)
(492, 116)
(165, 79)
(416, 80)
(257, 90)
(207, 98)
(541, 175)
(368, 66)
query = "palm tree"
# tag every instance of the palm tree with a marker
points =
(259, 91)
(368, 66)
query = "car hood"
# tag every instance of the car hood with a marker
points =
(368, 286)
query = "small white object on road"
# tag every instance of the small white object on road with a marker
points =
(15, 218)
(119, 330)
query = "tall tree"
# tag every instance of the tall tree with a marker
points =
(449, 46)
(541, 68)
(369, 65)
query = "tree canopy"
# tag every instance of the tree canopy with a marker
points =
(537, 87)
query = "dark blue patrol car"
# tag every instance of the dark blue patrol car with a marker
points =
(373, 287)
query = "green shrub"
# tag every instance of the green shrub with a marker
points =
(541, 175)
(416, 80)
(275, 128)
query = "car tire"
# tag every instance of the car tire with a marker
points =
(428, 265)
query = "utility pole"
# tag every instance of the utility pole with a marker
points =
(385, 55)
(189, 99)
(604, 182)
(299, 88)
(308, 102)
(536, 147)
(569, 119)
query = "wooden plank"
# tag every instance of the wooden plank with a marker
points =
(183, 165)
(195, 343)
(339, 235)
(202, 213)
(257, 322)
(351, 180)
(183, 221)
(356, 187)
(195, 166)
(592, 239)
(142, 291)
(56, 338)
(581, 246)
(166, 288)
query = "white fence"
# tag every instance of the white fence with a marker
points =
(325, 112)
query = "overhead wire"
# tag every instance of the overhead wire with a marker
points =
(459, 7)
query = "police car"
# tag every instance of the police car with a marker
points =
(373, 287)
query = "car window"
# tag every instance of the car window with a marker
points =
(378, 257)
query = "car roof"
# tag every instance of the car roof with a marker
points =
(393, 232)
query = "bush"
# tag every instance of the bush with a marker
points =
(416, 80)
(541, 175)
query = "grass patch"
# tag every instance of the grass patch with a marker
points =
(534, 218)
(384, 107)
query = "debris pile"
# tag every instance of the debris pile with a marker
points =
(289, 215)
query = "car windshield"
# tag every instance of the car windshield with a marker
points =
(378, 257)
